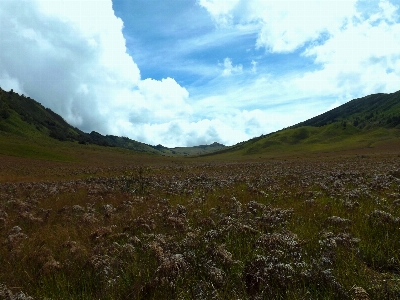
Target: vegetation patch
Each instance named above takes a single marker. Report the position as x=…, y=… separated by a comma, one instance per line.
x=278, y=229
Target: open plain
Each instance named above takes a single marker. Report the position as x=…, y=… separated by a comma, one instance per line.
x=117, y=225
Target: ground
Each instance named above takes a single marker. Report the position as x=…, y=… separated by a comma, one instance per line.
x=109, y=224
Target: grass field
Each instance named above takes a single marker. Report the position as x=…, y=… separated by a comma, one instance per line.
x=88, y=222
x=315, y=140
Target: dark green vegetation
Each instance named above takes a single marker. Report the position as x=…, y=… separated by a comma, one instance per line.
x=372, y=121
x=24, y=117
x=378, y=110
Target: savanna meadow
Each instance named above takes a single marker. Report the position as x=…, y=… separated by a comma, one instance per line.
x=308, y=212
x=112, y=225
x=199, y=149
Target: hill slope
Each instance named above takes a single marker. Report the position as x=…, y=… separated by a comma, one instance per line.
x=359, y=123
x=377, y=110
x=24, y=117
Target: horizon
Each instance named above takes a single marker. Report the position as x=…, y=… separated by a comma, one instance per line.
x=195, y=72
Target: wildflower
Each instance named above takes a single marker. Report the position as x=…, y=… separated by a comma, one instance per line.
x=108, y=210
x=171, y=267
x=14, y=238
x=6, y=294
x=380, y=217
x=338, y=221
x=89, y=218
x=101, y=232
x=359, y=293
x=221, y=253
x=265, y=271
x=78, y=209
x=216, y=275
x=50, y=265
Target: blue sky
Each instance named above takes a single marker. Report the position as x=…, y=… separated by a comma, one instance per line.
x=189, y=72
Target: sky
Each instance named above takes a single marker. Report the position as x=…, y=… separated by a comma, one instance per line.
x=194, y=72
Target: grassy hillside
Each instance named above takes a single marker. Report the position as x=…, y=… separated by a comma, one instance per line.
x=25, y=118
x=366, y=122
x=361, y=123
x=333, y=137
x=378, y=110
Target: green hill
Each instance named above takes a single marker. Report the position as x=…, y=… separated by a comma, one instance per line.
x=359, y=123
x=26, y=117
x=23, y=118
x=377, y=110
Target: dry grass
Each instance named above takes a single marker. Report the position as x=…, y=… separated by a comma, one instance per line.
x=276, y=229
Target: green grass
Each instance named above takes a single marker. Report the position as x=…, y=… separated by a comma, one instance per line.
x=361, y=123
x=28, y=149
x=309, y=140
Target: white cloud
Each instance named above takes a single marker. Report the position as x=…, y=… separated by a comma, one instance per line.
x=71, y=56
x=254, y=67
x=288, y=25
x=221, y=10
x=361, y=58
x=284, y=25
x=9, y=83
x=96, y=23
x=230, y=128
x=261, y=106
x=389, y=11
x=230, y=69
x=354, y=44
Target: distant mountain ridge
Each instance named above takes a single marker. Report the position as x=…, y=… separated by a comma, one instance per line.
x=361, y=122
x=24, y=116
x=366, y=112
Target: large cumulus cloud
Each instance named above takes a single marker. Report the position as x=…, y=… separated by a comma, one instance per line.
x=71, y=56
x=63, y=64
x=353, y=43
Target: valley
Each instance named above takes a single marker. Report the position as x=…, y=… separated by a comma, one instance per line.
x=306, y=212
